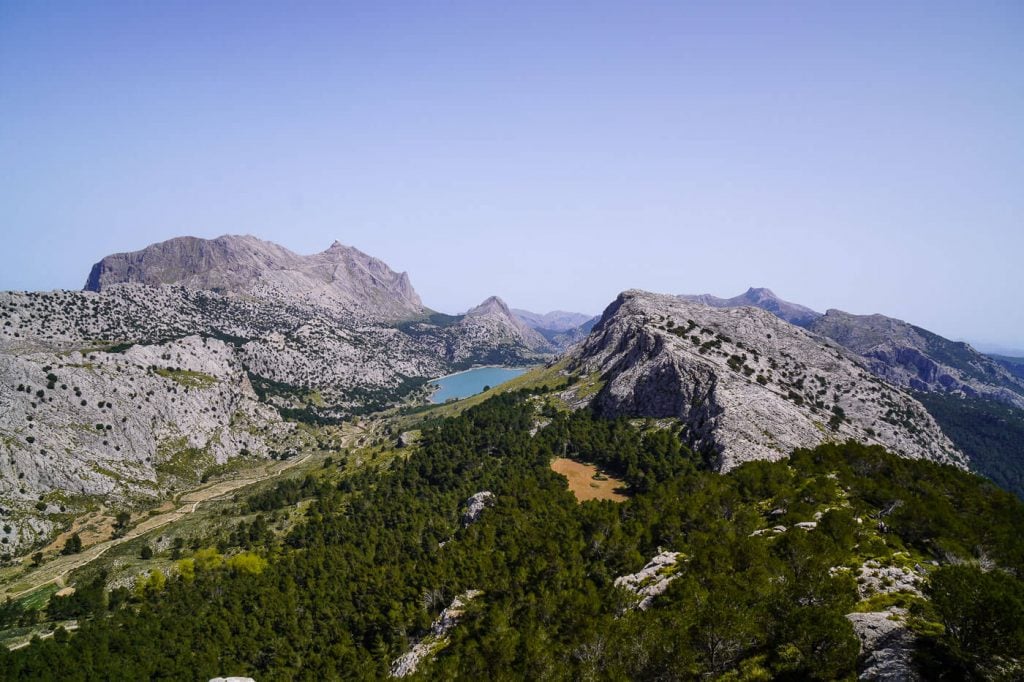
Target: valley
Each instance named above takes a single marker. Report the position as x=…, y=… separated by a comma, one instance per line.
x=221, y=431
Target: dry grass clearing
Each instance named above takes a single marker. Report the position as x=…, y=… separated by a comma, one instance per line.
x=587, y=483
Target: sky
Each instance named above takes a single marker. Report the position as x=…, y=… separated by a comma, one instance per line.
x=867, y=156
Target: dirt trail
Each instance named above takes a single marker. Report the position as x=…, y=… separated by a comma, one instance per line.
x=56, y=569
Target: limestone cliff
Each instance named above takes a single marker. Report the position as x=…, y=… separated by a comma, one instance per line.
x=746, y=384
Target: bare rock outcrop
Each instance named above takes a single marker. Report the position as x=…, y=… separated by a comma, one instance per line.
x=746, y=384
x=886, y=647
x=476, y=505
x=651, y=580
x=341, y=275
x=437, y=639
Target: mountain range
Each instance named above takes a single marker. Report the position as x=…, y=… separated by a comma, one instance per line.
x=897, y=351
x=182, y=357
x=792, y=483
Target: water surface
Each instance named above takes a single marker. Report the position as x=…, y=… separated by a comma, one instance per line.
x=471, y=382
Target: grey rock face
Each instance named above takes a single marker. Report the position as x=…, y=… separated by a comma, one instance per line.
x=124, y=426
x=886, y=645
x=762, y=298
x=746, y=384
x=341, y=275
x=494, y=318
x=913, y=357
x=475, y=506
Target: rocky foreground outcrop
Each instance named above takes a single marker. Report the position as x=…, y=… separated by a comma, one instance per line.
x=437, y=639
x=651, y=580
x=746, y=384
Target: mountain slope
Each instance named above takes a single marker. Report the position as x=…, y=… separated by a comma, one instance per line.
x=772, y=571
x=762, y=298
x=494, y=321
x=341, y=275
x=746, y=384
x=560, y=328
x=555, y=321
x=990, y=433
x=910, y=356
x=124, y=393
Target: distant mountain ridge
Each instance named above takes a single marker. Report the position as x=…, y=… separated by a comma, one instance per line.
x=901, y=353
x=760, y=297
x=556, y=320
x=914, y=357
x=341, y=275
x=561, y=329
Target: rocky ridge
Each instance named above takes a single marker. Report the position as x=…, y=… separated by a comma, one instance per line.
x=560, y=328
x=916, y=358
x=341, y=276
x=899, y=352
x=746, y=384
x=765, y=299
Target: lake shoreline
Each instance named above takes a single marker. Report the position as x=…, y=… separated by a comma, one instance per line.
x=438, y=387
x=476, y=367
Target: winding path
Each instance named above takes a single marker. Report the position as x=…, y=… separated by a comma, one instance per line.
x=55, y=570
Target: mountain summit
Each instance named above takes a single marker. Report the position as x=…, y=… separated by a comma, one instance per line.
x=765, y=299
x=745, y=384
x=341, y=275
x=495, y=316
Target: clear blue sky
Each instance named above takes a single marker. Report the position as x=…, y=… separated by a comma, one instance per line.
x=861, y=155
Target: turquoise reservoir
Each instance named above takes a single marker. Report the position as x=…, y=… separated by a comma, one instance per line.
x=471, y=382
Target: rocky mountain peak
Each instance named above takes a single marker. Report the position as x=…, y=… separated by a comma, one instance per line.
x=490, y=306
x=760, y=297
x=342, y=276
x=745, y=384
x=493, y=318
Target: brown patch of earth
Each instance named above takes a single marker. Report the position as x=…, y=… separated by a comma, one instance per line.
x=93, y=528
x=588, y=483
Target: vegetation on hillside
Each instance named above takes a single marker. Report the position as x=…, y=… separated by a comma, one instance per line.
x=382, y=550
x=990, y=433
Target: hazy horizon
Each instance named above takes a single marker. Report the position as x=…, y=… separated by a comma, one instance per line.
x=867, y=158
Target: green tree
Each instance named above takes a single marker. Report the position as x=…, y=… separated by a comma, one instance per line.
x=73, y=545
x=983, y=613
